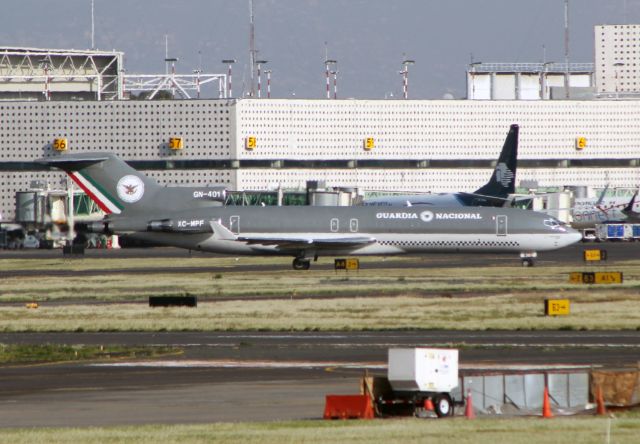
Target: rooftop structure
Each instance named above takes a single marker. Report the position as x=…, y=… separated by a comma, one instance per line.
x=56, y=74
x=30, y=74
x=528, y=81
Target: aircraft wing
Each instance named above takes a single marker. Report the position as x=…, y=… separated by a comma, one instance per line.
x=474, y=200
x=286, y=243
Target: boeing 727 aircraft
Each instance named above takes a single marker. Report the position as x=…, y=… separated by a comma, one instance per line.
x=494, y=193
x=136, y=205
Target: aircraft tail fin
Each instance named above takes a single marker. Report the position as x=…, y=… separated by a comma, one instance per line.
x=113, y=185
x=628, y=210
x=503, y=180
x=598, y=204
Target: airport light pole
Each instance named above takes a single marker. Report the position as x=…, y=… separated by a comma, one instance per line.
x=405, y=77
x=268, y=73
x=335, y=84
x=259, y=64
x=327, y=65
x=229, y=62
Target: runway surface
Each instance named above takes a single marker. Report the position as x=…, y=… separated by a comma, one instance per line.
x=255, y=376
x=572, y=255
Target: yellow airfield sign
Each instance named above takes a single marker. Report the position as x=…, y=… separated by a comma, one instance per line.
x=347, y=264
x=595, y=255
x=596, y=277
x=556, y=307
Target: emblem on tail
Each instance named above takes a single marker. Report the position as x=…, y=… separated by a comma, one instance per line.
x=130, y=188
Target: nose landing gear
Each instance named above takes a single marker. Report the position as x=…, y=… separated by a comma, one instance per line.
x=528, y=258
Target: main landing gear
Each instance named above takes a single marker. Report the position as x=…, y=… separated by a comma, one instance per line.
x=301, y=263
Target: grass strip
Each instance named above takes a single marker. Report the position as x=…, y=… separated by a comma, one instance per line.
x=584, y=430
x=47, y=353
x=505, y=312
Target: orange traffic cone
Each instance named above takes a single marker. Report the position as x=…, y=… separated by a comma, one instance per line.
x=428, y=405
x=600, y=408
x=468, y=410
x=546, y=407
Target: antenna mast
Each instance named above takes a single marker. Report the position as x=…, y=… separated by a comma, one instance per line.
x=566, y=49
x=252, y=48
x=93, y=27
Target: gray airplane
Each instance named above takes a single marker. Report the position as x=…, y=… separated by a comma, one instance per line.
x=494, y=193
x=586, y=213
x=136, y=205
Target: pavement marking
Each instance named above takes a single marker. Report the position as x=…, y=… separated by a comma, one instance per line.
x=231, y=363
x=242, y=364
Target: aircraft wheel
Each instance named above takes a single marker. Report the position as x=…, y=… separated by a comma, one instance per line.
x=301, y=264
x=527, y=262
x=443, y=405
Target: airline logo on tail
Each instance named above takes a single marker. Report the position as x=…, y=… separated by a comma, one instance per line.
x=503, y=174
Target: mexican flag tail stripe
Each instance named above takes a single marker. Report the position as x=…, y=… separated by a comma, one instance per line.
x=104, y=200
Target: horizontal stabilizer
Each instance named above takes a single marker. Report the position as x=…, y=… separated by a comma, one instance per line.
x=74, y=162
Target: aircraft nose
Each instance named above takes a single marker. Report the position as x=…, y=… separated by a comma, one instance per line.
x=573, y=236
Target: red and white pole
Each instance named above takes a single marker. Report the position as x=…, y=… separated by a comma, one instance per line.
x=335, y=84
x=328, y=88
x=405, y=83
x=259, y=81
x=229, y=62
x=327, y=64
x=405, y=77
x=268, y=83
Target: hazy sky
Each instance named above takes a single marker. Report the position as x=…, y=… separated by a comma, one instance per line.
x=367, y=37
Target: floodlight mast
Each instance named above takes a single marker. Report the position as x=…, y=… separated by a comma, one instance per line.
x=230, y=63
x=405, y=77
x=268, y=73
x=259, y=64
x=328, y=64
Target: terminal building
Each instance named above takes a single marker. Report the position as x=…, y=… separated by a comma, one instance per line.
x=590, y=139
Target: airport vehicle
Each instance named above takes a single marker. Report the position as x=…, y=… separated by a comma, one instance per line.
x=617, y=232
x=136, y=205
x=494, y=193
x=418, y=374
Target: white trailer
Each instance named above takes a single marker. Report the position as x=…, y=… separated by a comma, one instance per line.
x=421, y=375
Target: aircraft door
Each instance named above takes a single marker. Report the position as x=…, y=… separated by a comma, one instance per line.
x=353, y=225
x=335, y=225
x=501, y=225
x=234, y=224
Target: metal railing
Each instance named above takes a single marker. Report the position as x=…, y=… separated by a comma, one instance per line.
x=530, y=67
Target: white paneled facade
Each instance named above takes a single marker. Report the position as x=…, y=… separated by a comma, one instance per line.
x=134, y=130
x=617, y=58
x=436, y=129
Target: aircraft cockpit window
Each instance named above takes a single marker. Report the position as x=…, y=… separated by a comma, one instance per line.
x=555, y=224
